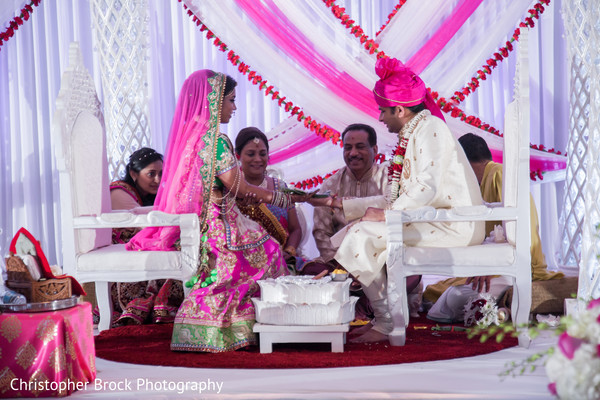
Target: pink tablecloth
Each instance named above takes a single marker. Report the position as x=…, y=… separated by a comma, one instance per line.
x=48, y=353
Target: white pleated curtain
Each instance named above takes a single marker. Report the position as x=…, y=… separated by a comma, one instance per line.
x=31, y=64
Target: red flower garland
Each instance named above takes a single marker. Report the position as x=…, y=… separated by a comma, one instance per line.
x=13, y=26
x=320, y=129
x=397, y=162
x=317, y=180
x=355, y=29
x=487, y=68
x=371, y=46
x=398, y=6
x=501, y=54
x=450, y=107
x=312, y=182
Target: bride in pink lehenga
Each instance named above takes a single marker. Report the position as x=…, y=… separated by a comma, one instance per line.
x=201, y=175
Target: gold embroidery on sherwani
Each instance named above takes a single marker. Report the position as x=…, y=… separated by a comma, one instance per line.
x=58, y=359
x=47, y=330
x=26, y=355
x=6, y=377
x=11, y=328
x=406, y=169
x=38, y=376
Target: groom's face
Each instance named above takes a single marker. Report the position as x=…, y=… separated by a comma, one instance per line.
x=390, y=117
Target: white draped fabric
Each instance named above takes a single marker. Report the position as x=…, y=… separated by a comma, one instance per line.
x=31, y=64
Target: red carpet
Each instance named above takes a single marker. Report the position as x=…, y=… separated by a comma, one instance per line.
x=149, y=344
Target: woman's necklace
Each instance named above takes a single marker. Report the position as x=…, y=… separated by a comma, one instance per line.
x=263, y=184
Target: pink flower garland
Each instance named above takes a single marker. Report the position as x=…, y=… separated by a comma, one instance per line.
x=309, y=123
x=501, y=54
x=18, y=21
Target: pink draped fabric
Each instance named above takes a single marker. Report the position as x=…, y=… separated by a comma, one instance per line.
x=42, y=350
x=275, y=25
x=295, y=148
x=183, y=187
x=421, y=59
x=536, y=163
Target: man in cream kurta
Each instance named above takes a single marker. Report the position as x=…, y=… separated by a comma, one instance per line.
x=435, y=172
x=361, y=177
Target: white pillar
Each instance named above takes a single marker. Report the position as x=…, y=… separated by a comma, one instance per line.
x=581, y=215
x=122, y=42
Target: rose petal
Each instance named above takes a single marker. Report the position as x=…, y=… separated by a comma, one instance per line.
x=593, y=303
x=568, y=345
x=552, y=388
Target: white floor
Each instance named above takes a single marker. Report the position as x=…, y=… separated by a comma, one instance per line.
x=465, y=378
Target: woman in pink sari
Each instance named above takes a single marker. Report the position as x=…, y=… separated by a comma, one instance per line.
x=201, y=175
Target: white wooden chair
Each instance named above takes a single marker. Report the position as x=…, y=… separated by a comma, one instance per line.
x=512, y=259
x=86, y=217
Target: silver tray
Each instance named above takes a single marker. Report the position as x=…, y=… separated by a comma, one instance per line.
x=40, y=307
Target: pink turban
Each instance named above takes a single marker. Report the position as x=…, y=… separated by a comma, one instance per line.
x=399, y=86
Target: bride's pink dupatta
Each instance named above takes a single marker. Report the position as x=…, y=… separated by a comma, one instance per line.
x=189, y=166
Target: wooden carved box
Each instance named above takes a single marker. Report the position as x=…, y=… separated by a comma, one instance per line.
x=20, y=280
x=33, y=277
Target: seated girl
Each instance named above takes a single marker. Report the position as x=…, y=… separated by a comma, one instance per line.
x=154, y=301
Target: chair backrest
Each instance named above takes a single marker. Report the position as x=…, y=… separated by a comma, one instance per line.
x=80, y=151
x=515, y=174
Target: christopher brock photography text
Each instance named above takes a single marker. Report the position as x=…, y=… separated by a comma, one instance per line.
x=125, y=385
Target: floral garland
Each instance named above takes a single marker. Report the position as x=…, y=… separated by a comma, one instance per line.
x=326, y=131
x=397, y=162
x=396, y=165
x=318, y=179
x=501, y=54
x=396, y=9
x=312, y=182
x=320, y=129
x=459, y=96
x=355, y=29
x=18, y=21
x=451, y=108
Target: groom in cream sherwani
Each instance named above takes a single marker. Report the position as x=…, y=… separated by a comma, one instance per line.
x=429, y=169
